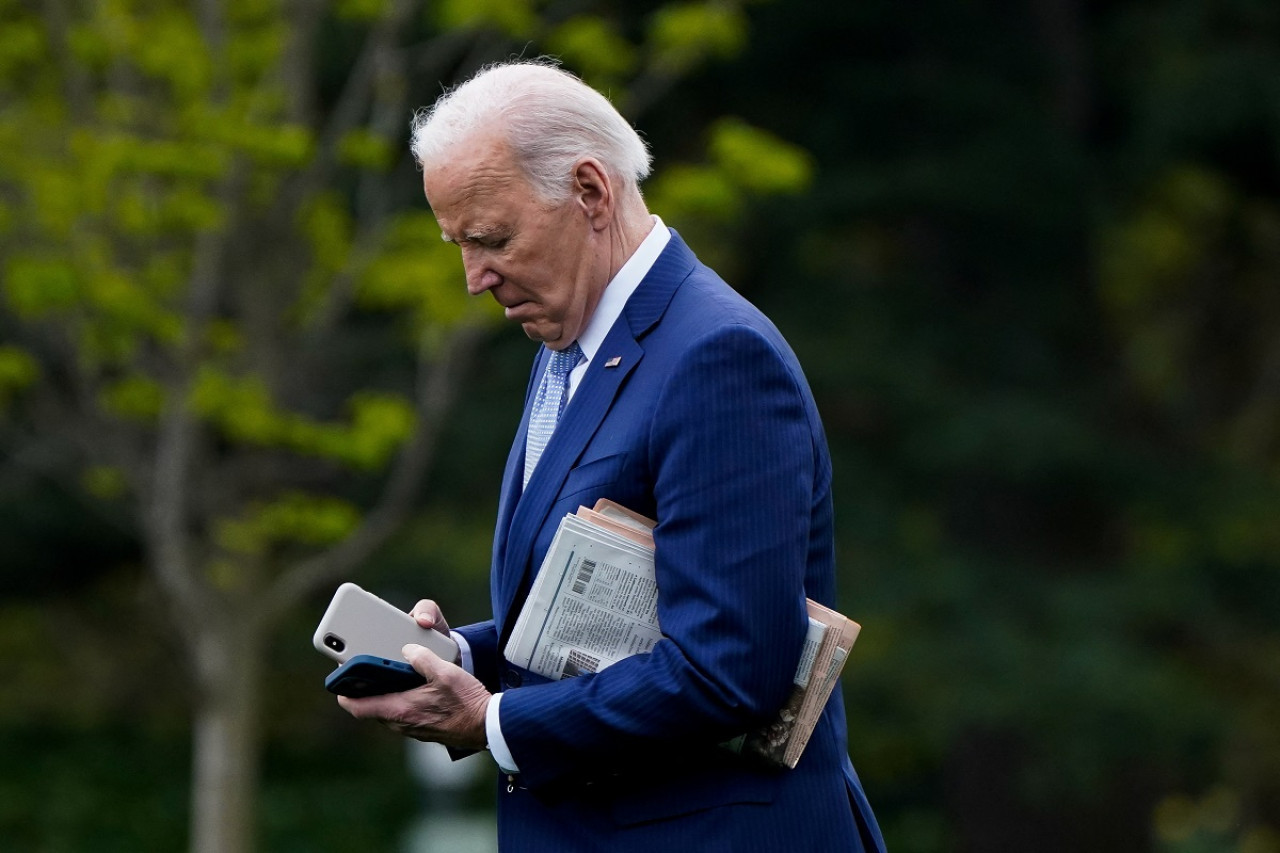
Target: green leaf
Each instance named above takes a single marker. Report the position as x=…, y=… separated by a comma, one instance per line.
x=759, y=161
x=37, y=287
x=18, y=371
x=283, y=145
x=240, y=407
x=684, y=35
x=294, y=517
x=380, y=425
x=418, y=272
x=685, y=191
x=366, y=150
x=104, y=481
x=22, y=45
x=593, y=46
x=170, y=47
x=513, y=17
x=137, y=398
x=254, y=54
x=361, y=10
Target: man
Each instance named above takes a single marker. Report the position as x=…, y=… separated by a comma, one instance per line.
x=684, y=404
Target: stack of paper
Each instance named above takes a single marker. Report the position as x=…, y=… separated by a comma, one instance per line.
x=595, y=602
x=826, y=649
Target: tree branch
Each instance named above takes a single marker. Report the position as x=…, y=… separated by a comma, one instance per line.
x=348, y=110
x=76, y=81
x=166, y=519
x=437, y=389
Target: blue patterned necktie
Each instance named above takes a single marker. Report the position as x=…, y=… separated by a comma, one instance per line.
x=549, y=404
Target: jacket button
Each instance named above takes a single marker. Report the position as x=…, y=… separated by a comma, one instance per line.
x=512, y=678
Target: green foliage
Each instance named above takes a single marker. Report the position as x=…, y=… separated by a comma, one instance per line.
x=687, y=191
x=515, y=18
x=1209, y=824
x=758, y=161
x=135, y=398
x=361, y=10
x=594, y=46
x=327, y=226
x=169, y=47
x=18, y=371
x=1192, y=255
x=686, y=34
x=22, y=43
x=294, y=517
x=1154, y=251
x=243, y=410
x=419, y=275
x=744, y=164
x=366, y=150
x=744, y=161
x=105, y=482
x=36, y=287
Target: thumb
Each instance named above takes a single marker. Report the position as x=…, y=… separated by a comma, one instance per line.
x=422, y=659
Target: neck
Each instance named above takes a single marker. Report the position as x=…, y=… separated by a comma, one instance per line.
x=631, y=225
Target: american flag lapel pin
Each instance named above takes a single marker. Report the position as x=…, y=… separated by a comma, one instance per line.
x=613, y=362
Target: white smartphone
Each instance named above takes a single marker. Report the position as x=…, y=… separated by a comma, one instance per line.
x=359, y=623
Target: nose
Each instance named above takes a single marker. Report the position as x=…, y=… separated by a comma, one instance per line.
x=480, y=276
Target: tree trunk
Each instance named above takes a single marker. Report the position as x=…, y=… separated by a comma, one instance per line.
x=228, y=664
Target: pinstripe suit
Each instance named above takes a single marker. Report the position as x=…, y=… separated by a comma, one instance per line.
x=706, y=423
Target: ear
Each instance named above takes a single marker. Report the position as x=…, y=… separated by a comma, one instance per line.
x=593, y=193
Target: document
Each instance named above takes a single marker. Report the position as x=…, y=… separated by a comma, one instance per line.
x=826, y=649
x=595, y=602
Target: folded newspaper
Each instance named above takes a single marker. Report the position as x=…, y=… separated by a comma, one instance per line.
x=595, y=602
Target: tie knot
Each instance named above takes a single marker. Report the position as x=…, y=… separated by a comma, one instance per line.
x=565, y=360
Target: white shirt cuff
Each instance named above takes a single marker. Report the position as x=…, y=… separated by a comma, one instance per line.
x=498, y=746
x=465, y=659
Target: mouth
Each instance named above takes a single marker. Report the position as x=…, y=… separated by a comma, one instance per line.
x=515, y=310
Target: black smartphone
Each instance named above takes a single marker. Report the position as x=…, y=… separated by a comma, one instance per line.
x=367, y=675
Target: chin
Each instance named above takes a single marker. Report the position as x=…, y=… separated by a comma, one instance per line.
x=550, y=337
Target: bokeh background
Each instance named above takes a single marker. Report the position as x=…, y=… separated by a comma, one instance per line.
x=1029, y=253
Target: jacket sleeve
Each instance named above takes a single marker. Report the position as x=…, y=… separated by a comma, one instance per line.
x=483, y=640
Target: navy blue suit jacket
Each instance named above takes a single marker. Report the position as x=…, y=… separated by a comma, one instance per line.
x=707, y=424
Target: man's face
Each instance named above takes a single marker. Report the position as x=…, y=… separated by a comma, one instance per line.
x=539, y=262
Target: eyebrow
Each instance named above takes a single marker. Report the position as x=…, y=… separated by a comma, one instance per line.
x=478, y=235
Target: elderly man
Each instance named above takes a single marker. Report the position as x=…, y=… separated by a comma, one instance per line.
x=658, y=387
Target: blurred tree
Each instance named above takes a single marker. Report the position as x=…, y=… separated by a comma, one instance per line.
x=222, y=304
x=1039, y=310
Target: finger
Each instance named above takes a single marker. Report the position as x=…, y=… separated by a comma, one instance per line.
x=428, y=615
x=364, y=707
x=424, y=661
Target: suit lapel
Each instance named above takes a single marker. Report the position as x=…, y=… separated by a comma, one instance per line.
x=579, y=422
x=527, y=512
x=510, y=494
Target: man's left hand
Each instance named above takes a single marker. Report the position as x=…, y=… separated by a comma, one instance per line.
x=448, y=709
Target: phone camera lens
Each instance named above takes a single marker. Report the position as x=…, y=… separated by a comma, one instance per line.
x=334, y=642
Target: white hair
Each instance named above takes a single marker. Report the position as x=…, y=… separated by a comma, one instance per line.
x=548, y=117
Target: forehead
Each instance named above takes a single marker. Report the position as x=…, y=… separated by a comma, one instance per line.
x=478, y=178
